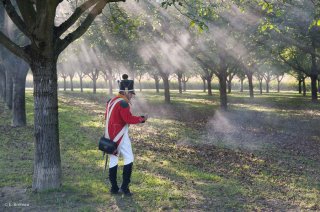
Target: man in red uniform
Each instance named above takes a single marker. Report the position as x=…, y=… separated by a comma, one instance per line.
x=117, y=130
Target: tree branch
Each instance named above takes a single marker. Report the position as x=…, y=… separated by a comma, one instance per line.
x=28, y=12
x=74, y=17
x=12, y=13
x=62, y=44
x=14, y=48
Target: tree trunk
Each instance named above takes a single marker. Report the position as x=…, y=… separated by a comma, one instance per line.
x=157, y=83
x=204, y=85
x=47, y=162
x=241, y=85
x=2, y=83
x=249, y=75
x=20, y=70
x=278, y=86
x=140, y=87
x=229, y=86
x=9, y=89
x=94, y=80
x=64, y=84
x=81, y=85
x=267, y=86
x=260, y=86
x=318, y=85
x=314, y=75
x=19, y=102
x=300, y=87
x=304, y=87
x=110, y=86
x=71, y=83
x=184, y=84
x=180, y=83
x=223, y=91
x=165, y=78
x=209, y=86
x=314, y=90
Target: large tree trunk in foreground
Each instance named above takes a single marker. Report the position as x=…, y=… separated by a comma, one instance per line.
x=9, y=89
x=47, y=162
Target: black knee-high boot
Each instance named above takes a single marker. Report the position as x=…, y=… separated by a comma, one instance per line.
x=113, y=179
x=127, y=170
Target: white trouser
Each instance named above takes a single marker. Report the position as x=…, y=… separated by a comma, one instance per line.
x=125, y=150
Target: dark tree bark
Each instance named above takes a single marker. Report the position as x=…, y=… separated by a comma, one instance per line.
x=314, y=75
x=19, y=102
x=223, y=90
x=241, y=85
x=64, y=83
x=20, y=71
x=279, y=79
x=157, y=82
x=9, y=89
x=71, y=81
x=2, y=82
x=110, y=86
x=229, y=81
x=165, y=78
x=185, y=79
x=179, y=75
x=318, y=85
x=94, y=81
x=300, y=86
x=209, y=80
x=81, y=83
x=94, y=75
x=47, y=168
x=204, y=84
x=81, y=75
x=250, y=76
x=304, y=89
x=260, y=85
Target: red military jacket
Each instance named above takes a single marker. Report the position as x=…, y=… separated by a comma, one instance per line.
x=120, y=116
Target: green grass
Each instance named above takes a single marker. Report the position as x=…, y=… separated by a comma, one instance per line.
x=183, y=160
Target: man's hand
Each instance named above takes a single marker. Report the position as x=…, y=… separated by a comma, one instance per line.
x=145, y=117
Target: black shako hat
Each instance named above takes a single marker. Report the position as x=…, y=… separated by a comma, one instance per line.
x=126, y=85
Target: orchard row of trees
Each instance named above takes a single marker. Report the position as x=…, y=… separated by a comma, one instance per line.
x=222, y=38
